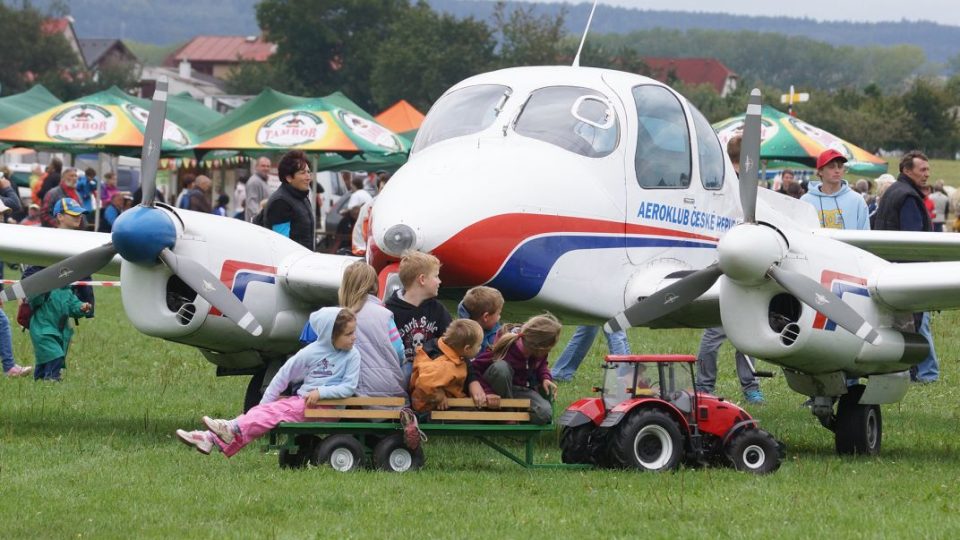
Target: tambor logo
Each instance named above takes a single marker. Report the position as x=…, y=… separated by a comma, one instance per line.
x=81, y=123
x=171, y=131
x=291, y=129
x=768, y=130
x=369, y=131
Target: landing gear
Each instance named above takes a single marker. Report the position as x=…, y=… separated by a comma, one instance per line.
x=858, y=429
x=254, y=391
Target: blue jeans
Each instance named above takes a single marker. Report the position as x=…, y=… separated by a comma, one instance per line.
x=710, y=343
x=6, y=342
x=578, y=346
x=928, y=370
x=49, y=371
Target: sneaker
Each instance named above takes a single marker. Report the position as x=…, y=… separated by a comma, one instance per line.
x=18, y=371
x=754, y=397
x=411, y=429
x=220, y=428
x=197, y=439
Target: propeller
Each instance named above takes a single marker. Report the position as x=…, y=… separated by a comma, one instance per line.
x=749, y=253
x=142, y=235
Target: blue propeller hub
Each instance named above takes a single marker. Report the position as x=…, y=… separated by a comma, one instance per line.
x=141, y=233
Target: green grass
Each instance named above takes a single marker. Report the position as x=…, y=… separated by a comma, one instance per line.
x=94, y=457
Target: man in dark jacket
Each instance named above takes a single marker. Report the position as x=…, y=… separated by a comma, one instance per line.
x=288, y=211
x=901, y=208
x=199, y=197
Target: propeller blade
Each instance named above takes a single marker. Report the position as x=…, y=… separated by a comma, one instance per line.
x=666, y=300
x=750, y=158
x=61, y=274
x=825, y=302
x=212, y=290
x=152, y=142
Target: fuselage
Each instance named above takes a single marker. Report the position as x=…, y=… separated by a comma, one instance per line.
x=556, y=185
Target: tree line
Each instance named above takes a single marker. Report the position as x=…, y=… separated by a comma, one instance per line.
x=379, y=51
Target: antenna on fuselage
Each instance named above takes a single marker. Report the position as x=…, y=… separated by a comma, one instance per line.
x=576, y=59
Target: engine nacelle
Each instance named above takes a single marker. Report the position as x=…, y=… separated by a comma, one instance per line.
x=768, y=323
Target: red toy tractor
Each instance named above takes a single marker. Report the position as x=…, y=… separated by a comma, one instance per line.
x=649, y=417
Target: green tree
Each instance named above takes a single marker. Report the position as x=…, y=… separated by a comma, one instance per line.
x=427, y=53
x=250, y=78
x=528, y=40
x=30, y=55
x=327, y=45
x=934, y=125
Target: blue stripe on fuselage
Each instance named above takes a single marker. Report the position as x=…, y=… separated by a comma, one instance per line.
x=526, y=270
x=242, y=279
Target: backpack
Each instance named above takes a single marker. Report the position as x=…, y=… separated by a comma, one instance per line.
x=24, y=313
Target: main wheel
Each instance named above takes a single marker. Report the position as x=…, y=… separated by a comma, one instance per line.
x=305, y=449
x=391, y=454
x=859, y=428
x=754, y=450
x=342, y=452
x=648, y=439
x=575, y=444
x=254, y=393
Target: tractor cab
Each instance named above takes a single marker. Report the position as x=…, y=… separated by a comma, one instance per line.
x=666, y=377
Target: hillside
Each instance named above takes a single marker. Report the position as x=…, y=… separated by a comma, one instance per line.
x=175, y=21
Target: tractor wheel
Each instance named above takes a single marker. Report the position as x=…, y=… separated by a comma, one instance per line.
x=649, y=440
x=755, y=451
x=391, y=454
x=575, y=444
x=305, y=448
x=859, y=428
x=342, y=452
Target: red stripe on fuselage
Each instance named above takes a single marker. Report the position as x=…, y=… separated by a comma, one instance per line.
x=474, y=254
x=826, y=279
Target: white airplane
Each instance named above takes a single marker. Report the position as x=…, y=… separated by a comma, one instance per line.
x=593, y=193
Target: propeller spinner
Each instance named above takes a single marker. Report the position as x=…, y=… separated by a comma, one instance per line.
x=143, y=235
x=749, y=253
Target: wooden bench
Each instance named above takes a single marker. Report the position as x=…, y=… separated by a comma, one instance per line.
x=464, y=410
x=353, y=408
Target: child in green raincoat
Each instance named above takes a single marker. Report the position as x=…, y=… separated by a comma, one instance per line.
x=51, y=330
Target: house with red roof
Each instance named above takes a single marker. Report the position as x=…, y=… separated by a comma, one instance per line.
x=694, y=71
x=64, y=25
x=218, y=55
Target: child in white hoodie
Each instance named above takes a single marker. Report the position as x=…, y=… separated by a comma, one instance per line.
x=329, y=368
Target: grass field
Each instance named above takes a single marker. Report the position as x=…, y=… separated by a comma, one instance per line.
x=94, y=457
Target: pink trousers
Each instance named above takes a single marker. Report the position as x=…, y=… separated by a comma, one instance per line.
x=261, y=419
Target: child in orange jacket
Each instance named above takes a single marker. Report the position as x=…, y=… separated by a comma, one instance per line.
x=442, y=370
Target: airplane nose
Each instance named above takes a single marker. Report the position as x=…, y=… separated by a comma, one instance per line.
x=398, y=239
x=141, y=233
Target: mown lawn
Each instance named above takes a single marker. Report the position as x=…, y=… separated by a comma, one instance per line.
x=95, y=457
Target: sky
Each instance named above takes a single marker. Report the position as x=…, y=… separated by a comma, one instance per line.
x=941, y=11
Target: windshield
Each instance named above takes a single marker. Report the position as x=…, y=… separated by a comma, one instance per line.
x=671, y=381
x=663, y=141
x=461, y=112
x=577, y=119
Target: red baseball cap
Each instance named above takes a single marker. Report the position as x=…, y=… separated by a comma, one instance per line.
x=827, y=156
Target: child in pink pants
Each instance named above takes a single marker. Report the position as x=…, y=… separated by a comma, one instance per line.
x=328, y=368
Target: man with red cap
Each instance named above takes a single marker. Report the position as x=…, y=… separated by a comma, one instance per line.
x=838, y=206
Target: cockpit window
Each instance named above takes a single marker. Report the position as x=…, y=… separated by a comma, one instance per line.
x=461, y=112
x=709, y=152
x=576, y=119
x=663, y=141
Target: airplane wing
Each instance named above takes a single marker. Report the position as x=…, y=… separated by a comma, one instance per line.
x=901, y=246
x=917, y=287
x=45, y=246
